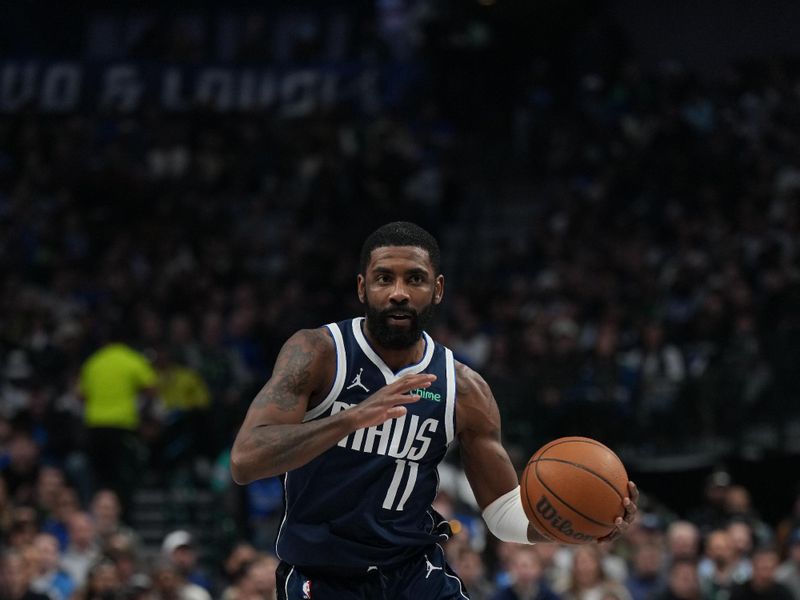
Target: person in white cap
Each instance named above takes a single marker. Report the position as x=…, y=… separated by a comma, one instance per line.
x=179, y=548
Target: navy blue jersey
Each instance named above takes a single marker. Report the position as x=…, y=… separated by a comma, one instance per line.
x=367, y=500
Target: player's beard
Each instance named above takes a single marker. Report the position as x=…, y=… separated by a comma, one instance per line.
x=398, y=338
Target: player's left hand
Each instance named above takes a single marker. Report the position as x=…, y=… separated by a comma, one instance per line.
x=622, y=523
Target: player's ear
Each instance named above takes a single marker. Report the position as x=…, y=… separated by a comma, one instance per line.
x=438, y=289
x=361, y=285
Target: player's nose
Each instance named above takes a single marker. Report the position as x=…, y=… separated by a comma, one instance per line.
x=399, y=294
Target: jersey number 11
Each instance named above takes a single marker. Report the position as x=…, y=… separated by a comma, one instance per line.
x=397, y=478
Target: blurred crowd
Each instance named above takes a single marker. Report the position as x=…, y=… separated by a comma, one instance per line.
x=55, y=548
x=644, y=264
x=643, y=290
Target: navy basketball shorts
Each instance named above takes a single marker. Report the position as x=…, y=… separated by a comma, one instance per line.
x=425, y=577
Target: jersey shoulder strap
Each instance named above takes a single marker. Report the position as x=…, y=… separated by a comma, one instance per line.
x=338, y=381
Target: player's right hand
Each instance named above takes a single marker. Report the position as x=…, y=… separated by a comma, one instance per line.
x=388, y=402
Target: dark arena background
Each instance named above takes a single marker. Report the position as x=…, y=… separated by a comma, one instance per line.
x=615, y=186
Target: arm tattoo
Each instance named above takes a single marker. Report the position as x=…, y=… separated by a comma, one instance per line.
x=292, y=373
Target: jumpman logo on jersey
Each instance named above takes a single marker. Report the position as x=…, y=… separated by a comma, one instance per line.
x=357, y=381
x=429, y=566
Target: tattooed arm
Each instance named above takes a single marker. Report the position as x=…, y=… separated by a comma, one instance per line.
x=273, y=438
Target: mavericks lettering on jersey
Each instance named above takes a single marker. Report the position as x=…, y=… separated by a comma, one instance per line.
x=403, y=437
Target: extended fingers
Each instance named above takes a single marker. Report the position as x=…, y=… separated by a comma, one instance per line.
x=630, y=503
x=403, y=398
x=621, y=524
x=634, y=492
x=409, y=382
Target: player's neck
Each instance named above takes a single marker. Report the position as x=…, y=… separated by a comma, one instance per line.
x=396, y=359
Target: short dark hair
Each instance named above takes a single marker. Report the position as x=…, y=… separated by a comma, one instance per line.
x=401, y=233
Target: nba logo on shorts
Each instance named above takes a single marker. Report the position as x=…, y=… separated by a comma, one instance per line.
x=306, y=589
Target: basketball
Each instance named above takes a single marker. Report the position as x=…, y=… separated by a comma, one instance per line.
x=572, y=489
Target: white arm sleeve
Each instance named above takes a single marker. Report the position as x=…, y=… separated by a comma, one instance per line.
x=506, y=518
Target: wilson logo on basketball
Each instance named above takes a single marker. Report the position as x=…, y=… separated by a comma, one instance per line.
x=549, y=513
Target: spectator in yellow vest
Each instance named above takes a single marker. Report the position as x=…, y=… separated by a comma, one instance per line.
x=185, y=401
x=112, y=380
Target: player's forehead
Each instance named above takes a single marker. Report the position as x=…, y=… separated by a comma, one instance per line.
x=399, y=258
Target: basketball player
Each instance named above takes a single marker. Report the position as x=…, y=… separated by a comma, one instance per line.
x=358, y=414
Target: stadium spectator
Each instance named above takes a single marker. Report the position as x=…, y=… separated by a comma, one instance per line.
x=185, y=401
x=588, y=580
x=683, y=582
x=82, y=550
x=20, y=470
x=16, y=389
x=233, y=567
x=788, y=572
x=650, y=530
x=711, y=514
x=471, y=569
x=683, y=540
x=503, y=551
x=179, y=548
x=763, y=583
x=24, y=527
x=16, y=576
x=525, y=574
x=123, y=550
x=101, y=582
x=720, y=569
x=111, y=380
x=646, y=575
x=49, y=578
x=556, y=563
x=106, y=512
x=49, y=483
x=743, y=545
x=169, y=584
x=659, y=371
x=738, y=506
x=258, y=580
x=66, y=505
